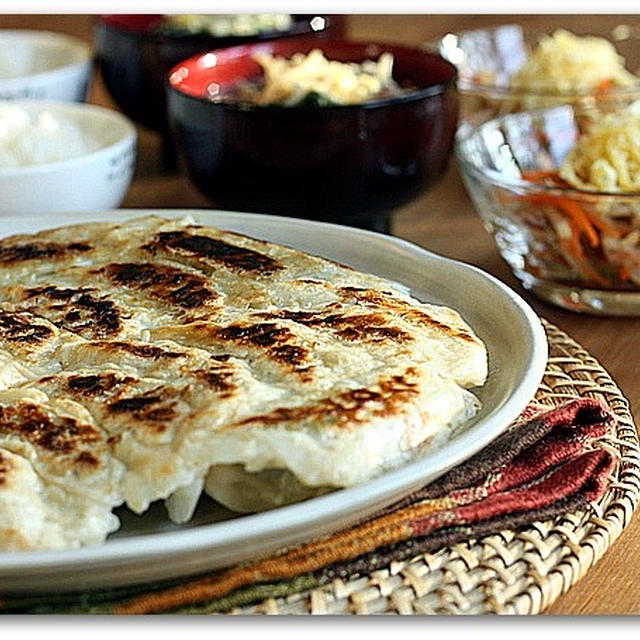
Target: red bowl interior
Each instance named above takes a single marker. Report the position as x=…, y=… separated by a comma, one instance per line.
x=132, y=22
x=226, y=67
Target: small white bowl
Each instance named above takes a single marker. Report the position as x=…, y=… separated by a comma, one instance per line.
x=94, y=181
x=43, y=65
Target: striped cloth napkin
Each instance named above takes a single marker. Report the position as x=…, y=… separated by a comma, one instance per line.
x=548, y=463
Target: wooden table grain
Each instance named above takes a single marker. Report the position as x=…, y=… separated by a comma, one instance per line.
x=442, y=220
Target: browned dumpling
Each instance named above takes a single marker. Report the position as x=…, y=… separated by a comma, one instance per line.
x=166, y=358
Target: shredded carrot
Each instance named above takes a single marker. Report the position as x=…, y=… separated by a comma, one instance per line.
x=537, y=176
x=573, y=210
x=604, y=226
x=604, y=86
x=544, y=177
x=581, y=219
x=572, y=246
x=624, y=273
x=582, y=223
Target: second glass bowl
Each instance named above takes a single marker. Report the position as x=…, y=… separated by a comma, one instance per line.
x=487, y=58
x=579, y=250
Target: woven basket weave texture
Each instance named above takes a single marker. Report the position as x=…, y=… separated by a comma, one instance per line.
x=513, y=572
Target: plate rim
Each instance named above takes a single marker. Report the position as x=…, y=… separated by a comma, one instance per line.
x=343, y=502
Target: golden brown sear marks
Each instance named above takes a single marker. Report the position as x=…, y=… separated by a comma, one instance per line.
x=362, y=327
x=168, y=284
x=79, y=310
x=86, y=459
x=216, y=380
x=348, y=409
x=55, y=433
x=12, y=253
x=371, y=327
x=91, y=386
x=421, y=317
x=138, y=349
x=157, y=406
x=112, y=393
x=278, y=343
x=217, y=376
x=211, y=250
x=23, y=328
x=372, y=296
x=95, y=384
x=386, y=300
x=6, y=467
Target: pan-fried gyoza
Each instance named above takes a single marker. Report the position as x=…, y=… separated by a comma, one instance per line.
x=155, y=359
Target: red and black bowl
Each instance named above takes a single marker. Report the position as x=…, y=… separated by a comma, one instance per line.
x=349, y=164
x=134, y=56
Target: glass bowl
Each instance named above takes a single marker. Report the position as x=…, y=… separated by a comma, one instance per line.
x=487, y=58
x=577, y=249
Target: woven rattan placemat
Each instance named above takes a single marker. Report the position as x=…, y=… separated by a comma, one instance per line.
x=513, y=572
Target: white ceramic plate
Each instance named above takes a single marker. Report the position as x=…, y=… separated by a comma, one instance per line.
x=150, y=548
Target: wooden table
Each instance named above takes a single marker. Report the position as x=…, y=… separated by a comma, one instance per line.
x=442, y=220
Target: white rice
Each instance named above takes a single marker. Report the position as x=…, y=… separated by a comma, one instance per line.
x=41, y=138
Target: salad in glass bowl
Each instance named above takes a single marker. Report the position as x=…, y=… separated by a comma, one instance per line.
x=562, y=200
x=507, y=69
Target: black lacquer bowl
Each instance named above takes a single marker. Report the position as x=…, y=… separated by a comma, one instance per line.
x=134, y=57
x=350, y=164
